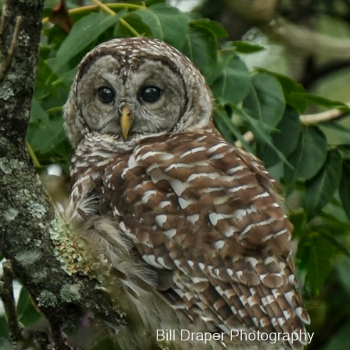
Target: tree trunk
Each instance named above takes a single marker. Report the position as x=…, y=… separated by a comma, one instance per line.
x=33, y=236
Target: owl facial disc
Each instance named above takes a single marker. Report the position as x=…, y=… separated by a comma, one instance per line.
x=162, y=88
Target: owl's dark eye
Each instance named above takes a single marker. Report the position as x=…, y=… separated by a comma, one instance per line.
x=106, y=94
x=150, y=93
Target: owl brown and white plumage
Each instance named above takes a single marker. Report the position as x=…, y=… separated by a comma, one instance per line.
x=191, y=222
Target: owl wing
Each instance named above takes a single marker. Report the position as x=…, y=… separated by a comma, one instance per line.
x=195, y=205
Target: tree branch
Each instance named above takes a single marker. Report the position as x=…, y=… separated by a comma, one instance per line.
x=44, y=252
x=257, y=11
x=248, y=136
x=327, y=116
x=293, y=35
x=7, y=55
x=312, y=72
x=330, y=115
x=299, y=38
x=6, y=294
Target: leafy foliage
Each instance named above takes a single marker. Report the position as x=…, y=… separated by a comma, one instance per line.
x=315, y=175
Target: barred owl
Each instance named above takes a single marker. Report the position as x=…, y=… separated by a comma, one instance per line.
x=191, y=223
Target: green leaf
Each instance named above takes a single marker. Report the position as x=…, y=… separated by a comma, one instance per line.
x=83, y=33
x=317, y=254
x=202, y=49
x=308, y=157
x=43, y=86
x=260, y=130
x=221, y=120
x=247, y=47
x=46, y=136
x=227, y=128
x=106, y=344
x=344, y=188
x=37, y=113
x=344, y=148
x=338, y=225
x=153, y=2
x=290, y=88
x=266, y=99
x=339, y=341
x=233, y=83
x=298, y=220
x=343, y=270
x=321, y=188
x=336, y=126
x=132, y=23
x=330, y=237
x=214, y=26
x=322, y=101
x=50, y=4
x=27, y=313
x=285, y=139
x=66, y=78
x=54, y=36
x=4, y=329
x=162, y=22
x=5, y=344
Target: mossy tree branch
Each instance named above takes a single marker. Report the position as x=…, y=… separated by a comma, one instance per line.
x=28, y=220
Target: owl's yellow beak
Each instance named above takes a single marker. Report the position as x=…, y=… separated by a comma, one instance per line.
x=126, y=121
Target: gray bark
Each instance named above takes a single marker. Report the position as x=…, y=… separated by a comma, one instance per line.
x=32, y=234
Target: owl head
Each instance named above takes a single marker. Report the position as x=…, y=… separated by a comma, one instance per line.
x=136, y=87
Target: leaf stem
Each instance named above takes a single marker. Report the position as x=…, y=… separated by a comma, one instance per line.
x=96, y=7
x=128, y=26
x=104, y=7
x=33, y=155
x=53, y=110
